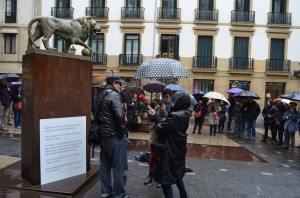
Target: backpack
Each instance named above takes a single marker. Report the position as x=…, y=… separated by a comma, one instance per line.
x=197, y=114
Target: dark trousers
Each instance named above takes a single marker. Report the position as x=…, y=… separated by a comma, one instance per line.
x=211, y=127
x=279, y=129
x=230, y=116
x=199, y=124
x=270, y=125
x=168, y=191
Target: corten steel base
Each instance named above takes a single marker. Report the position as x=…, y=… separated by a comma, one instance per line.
x=18, y=187
x=54, y=85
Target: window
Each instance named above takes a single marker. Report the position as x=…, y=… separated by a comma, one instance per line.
x=240, y=56
x=242, y=12
x=10, y=11
x=62, y=9
x=169, y=46
x=275, y=89
x=10, y=43
x=169, y=9
x=244, y=85
x=206, y=4
x=59, y=43
x=63, y=3
x=277, y=54
x=242, y=5
x=132, y=46
x=279, y=6
x=203, y=85
x=204, y=54
x=97, y=45
x=132, y=8
x=98, y=3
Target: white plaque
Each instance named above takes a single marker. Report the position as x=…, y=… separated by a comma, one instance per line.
x=62, y=148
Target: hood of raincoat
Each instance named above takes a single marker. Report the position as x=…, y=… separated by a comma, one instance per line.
x=180, y=101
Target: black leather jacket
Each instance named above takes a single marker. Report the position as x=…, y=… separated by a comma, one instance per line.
x=111, y=113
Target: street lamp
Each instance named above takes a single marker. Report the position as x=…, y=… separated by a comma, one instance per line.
x=72, y=50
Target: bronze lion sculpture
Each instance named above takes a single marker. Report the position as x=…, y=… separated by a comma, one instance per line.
x=74, y=31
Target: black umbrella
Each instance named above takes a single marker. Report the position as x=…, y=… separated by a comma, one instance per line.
x=199, y=95
x=154, y=86
x=10, y=77
x=247, y=94
x=295, y=95
x=129, y=91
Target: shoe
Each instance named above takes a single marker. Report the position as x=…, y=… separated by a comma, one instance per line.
x=273, y=142
x=193, y=132
x=263, y=140
x=279, y=143
x=214, y=134
x=148, y=180
x=158, y=185
x=291, y=149
x=285, y=147
x=9, y=123
x=199, y=133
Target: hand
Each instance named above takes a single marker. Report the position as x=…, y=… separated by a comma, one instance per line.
x=150, y=111
x=163, y=107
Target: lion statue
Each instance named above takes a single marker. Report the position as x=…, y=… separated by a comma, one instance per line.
x=75, y=31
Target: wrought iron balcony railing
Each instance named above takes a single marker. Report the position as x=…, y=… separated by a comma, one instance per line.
x=99, y=59
x=62, y=12
x=130, y=59
x=10, y=17
x=278, y=65
x=98, y=12
x=280, y=18
x=241, y=63
x=243, y=16
x=209, y=62
x=176, y=57
x=169, y=13
x=206, y=15
x=132, y=13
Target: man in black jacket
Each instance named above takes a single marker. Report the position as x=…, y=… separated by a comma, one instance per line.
x=5, y=100
x=113, y=142
x=252, y=111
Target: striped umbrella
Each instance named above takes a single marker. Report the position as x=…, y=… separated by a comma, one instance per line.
x=161, y=68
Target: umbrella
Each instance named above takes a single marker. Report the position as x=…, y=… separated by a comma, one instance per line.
x=11, y=77
x=285, y=101
x=234, y=90
x=199, y=95
x=295, y=95
x=154, y=86
x=247, y=94
x=216, y=95
x=13, y=85
x=193, y=100
x=129, y=91
x=175, y=87
x=161, y=68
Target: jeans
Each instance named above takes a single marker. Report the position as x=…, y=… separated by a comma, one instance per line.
x=280, y=133
x=3, y=117
x=113, y=157
x=251, y=131
x=168, y=191
x=272, y=128
x=230, y=116
x=17, y=118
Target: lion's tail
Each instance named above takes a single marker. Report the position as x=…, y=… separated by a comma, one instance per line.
x=29, y=29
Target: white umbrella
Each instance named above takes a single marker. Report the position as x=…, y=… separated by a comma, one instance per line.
x=216, y=95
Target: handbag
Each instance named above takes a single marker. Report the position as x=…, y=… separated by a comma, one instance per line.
x=18, y=106
x=138, y=120
x=94, y=135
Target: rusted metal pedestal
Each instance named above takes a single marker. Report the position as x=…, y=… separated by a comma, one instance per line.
x=55, y=85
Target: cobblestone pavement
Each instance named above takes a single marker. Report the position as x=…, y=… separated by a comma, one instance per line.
x=278, y=178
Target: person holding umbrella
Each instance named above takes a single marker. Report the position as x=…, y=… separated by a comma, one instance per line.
x=252, y=110
x=291, y=117
x=269, y=113
x=17, y=106
x=5, y=99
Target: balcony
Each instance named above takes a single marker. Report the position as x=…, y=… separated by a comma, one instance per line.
x=98, y=12
x=127, y=61
x=169, y=13
x=242, y=16
x=204, y=64
x=165, y=55
x=279, y=18
x=206, y=15
x=62, y=12
x=132, y=13
x=99, y=59
x=241, y=65
x=278, y=66
x=10, y=17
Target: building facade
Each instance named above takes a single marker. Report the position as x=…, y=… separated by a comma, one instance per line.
x=251, y=44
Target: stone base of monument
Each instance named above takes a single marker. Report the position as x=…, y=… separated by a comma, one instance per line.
x=13, y=185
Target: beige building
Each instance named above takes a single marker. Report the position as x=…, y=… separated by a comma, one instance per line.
x=252, y=43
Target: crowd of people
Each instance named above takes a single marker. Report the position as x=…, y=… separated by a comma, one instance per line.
x=11, y=101
x=170, y=117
